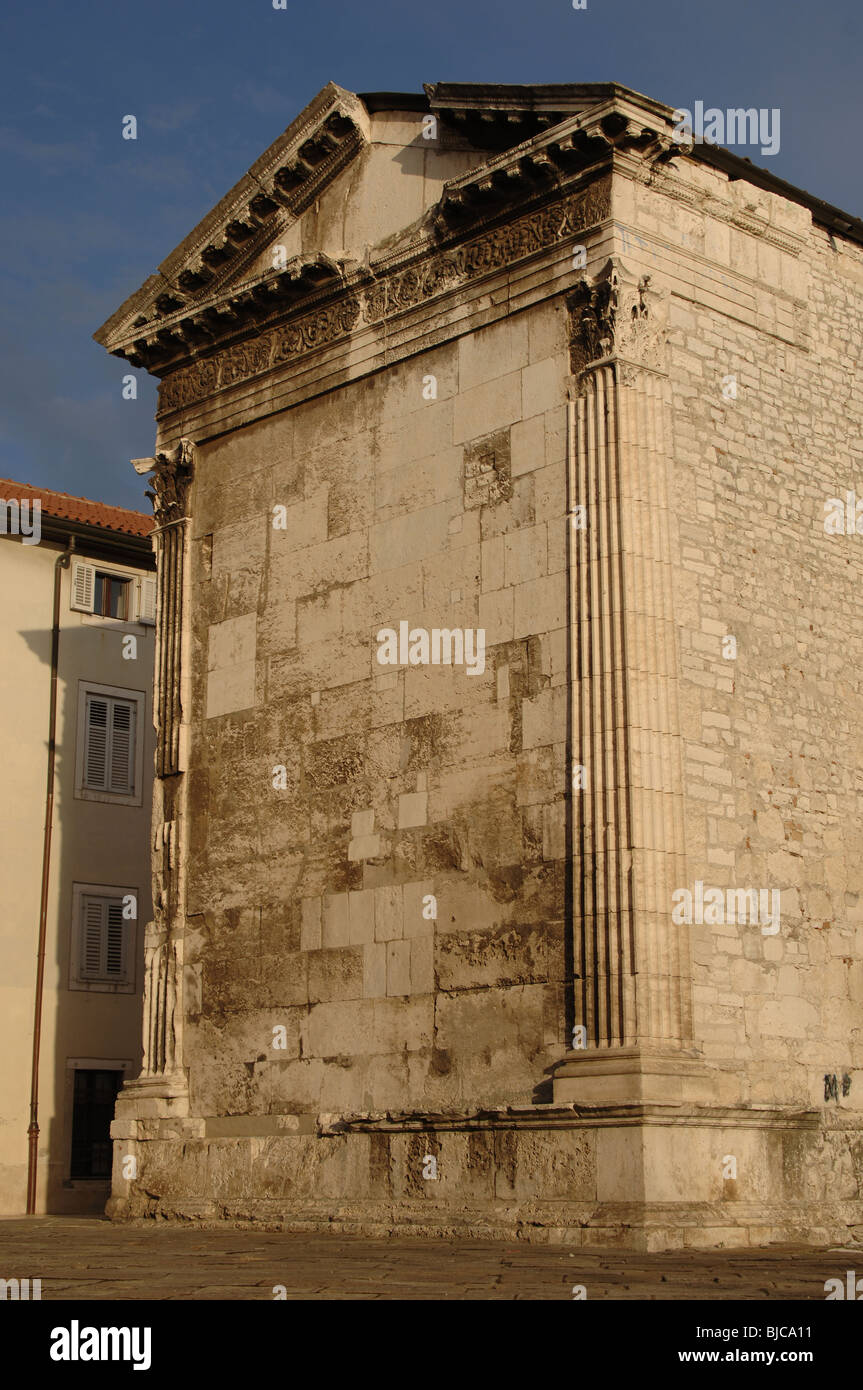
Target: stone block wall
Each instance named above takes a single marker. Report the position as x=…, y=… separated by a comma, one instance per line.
x=765, y=336
x=435, y=495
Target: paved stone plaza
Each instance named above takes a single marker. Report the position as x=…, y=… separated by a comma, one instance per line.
x=89, y=1258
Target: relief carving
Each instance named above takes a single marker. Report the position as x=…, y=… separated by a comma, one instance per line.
x=315, y=330
x=487, y=470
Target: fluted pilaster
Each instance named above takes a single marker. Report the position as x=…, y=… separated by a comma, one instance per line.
x=632, y=983
x=162, y=1072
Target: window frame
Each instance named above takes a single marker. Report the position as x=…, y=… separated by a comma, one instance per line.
x=113, y=756
x=141, y=594
x=79, y=981
x=127, y=591
x=115, y=692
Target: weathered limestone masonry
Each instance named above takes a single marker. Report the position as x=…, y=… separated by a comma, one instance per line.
x=505, y=360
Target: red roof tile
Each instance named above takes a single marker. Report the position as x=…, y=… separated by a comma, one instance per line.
x=66, y=508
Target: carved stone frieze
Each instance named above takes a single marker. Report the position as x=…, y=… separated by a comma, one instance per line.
x=391, y=294
x=313, y=331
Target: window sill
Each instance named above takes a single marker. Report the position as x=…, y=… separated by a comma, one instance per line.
x=103, y=986
x=121, y=624
x=106, y=798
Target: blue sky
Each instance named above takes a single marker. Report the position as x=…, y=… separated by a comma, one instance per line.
x=88, y=216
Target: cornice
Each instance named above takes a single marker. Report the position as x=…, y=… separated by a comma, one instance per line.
x=234, y=346
x=202, y=298
x=823, y=214
x=569, y=147
x=495, y=115
x=214, y=305
x=95, y=542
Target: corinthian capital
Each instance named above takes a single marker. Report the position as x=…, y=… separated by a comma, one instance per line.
x=616, y=315
x=172, y=474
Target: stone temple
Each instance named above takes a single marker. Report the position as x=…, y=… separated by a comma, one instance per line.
x=507, y=851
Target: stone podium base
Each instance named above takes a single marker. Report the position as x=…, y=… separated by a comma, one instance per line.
x=636, y=1176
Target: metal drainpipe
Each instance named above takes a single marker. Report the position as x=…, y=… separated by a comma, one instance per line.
x=62, y=562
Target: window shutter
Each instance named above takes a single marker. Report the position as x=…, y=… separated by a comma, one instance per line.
x=91, y=937
x=147, y=601
x=109, y=745
x=122, y=768
x=83, y=584
x=103, y=945
x=96, y=743
x=114, y=962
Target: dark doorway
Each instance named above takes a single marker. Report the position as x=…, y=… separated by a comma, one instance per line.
x=93, y=1111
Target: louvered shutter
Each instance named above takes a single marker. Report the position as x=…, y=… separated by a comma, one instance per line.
x=114, y=962
x=96, y=743
x=121, y=768
x=83, y=586
x=103, y=943
x=109, y=745
x=91, y=937
x=147, y=601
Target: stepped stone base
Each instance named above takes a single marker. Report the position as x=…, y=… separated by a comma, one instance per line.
x=634, y=1177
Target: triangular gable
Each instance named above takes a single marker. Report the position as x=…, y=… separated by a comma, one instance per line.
x=260, y=208
x=222, y=281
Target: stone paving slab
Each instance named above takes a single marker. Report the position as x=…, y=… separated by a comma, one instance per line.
x=91, y=1258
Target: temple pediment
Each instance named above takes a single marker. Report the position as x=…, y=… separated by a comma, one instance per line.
x=302, y=224
x=361, y=189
